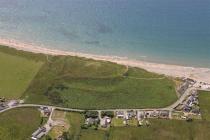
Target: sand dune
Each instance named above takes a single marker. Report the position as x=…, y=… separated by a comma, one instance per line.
x=199, y=74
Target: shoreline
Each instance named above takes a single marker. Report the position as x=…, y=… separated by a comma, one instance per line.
x=199, y=74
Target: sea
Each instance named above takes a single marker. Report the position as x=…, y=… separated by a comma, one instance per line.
x=161, y=31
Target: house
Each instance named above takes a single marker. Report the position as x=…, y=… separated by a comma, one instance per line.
x=164, y=114
x=91, y=121
x=183, y=87
x=130, y=114
x=140, y=115
x=105, y=121
x=46, y=111
x=120, y=114
x=12, y=103
x=154, y=114
x=38, y=133
x=148, y=113
x=186, y=108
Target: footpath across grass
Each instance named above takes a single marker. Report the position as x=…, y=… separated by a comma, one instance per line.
x=19, y=124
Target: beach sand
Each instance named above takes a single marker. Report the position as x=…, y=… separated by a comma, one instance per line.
x=198, y=74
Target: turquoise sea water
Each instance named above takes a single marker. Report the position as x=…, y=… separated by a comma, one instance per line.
x=166, y=31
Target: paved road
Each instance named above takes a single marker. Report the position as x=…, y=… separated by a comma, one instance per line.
x=38, y=105
x=75, y=110
x=203, y=89
x=170, y=108
x=181, y=99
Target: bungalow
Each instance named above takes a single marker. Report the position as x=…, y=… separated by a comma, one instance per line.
x=130, y=114
x=164, y=114
x=12, y=103
x=46, y=111
x=91, y=121
x=140, y=115
x=105, y=121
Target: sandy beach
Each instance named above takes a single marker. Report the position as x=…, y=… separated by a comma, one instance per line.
x=199, y=74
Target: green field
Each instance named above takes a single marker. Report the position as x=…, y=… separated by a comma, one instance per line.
x=19, y=124
x=16, y=73
x=204, y=101
x=170, y=129
x=92, y=135
x=87, y=84
x=163, y=130
x=75, y=121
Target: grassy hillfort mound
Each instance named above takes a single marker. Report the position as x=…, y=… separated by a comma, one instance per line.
x=77, y=82
x=88, y=84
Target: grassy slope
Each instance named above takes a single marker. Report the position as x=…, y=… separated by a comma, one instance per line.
x=19, y=124
x=16, y=73
x=96, y=84
x=81, y=83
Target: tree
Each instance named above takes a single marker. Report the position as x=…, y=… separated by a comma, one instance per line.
x=107, y=113
x=91, y=114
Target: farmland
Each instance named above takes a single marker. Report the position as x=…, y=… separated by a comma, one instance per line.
x=19, y=124
x=204, y=100
x=16, y=73
x=163, y=130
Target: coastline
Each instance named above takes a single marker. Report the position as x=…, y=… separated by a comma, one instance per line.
x=199, y=74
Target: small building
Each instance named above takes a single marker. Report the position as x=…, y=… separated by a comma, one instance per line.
x=164, y=114
x=91, y=121
x=12, y=103
x=130, y=114
x=39, y=133
x=140, y=115
x=154, y=114
x=149, y=113
x=46, y=111
x=183, y=87
x=120, y=114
